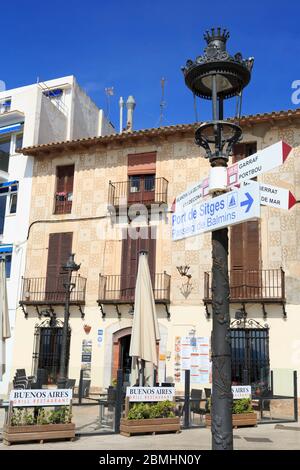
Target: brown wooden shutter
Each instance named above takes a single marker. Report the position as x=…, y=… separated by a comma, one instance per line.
x=59, y=249
x=130, y=258
x=65, y=178
x=245, y=246
x=142, y=163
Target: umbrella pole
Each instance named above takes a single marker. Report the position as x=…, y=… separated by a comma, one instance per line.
x=142, y=373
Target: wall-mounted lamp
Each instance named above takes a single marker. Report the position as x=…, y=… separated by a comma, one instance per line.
x=183, y=271
x=186, y=287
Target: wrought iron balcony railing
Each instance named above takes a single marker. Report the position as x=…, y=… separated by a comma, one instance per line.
x=113, y=289
x=51, y=291
x=63, y=203
x=146, y=192
x=264, y=285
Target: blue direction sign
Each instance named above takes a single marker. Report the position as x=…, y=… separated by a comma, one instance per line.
x=228, y=209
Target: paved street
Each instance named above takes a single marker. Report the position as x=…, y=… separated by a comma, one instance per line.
x=264, y=437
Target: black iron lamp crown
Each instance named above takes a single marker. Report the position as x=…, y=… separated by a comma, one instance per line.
x=216, y=75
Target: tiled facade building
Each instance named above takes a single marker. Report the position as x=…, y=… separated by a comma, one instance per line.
x=79, y=194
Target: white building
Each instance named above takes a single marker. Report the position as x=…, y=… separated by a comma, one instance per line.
x=52, y=111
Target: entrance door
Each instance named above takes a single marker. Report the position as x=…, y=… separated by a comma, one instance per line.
x=124, y=358
x=250, y=363
x=47, y=353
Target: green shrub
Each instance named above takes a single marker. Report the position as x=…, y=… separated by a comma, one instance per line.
x=162, y=409
x=29, y=416
x=238, y=407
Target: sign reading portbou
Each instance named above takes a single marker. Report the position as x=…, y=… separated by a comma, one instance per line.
x=150, y=393
x=241, y=391
x=41, y=397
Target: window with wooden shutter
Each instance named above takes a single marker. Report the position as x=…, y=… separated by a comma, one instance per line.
x=60, y=247
x=245, y=259
x=64, y=189
x=131, y=248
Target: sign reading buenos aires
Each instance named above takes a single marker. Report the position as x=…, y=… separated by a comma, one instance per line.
x=40, y=397
x=150, y=393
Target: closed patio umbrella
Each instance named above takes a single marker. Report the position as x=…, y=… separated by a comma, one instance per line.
x=145, y=331
x=4, y=319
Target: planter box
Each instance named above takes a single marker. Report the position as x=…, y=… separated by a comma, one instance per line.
x=139, y=426
x=243, y=419
x=37, y=432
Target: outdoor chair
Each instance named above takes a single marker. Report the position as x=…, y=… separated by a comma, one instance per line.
x=195, y=400
x=207, y=392
x=70, y=383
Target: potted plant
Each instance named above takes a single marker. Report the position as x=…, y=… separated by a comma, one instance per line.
x=39, y=423
x=150, y=417
x=242, y=413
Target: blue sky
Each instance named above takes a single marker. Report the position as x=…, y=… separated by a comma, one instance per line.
x=131, y=44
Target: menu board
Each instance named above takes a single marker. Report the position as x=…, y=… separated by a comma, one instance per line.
x=192, y=353
x=86, y=358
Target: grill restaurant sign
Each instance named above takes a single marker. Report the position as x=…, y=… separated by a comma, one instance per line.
x=241, y=391
x=150, y=393
x=42, y=397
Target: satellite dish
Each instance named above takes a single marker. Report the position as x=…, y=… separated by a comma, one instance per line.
x=2, y=85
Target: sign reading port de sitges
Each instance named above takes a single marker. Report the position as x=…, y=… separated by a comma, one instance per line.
x=230, y=208
x=150, y=393
x=40, y=397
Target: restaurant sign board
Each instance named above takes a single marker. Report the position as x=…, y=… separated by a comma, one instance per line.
x=40, y=397
x=150, y=393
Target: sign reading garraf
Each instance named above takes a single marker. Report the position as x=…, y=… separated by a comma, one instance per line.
x=150, y=393
x=40, y=397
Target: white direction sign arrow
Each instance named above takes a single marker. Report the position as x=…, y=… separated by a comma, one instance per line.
x=260, y=162
x=274, y=196
x=228, y=209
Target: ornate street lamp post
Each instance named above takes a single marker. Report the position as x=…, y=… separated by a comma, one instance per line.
x=68, y=269
x=217, y=76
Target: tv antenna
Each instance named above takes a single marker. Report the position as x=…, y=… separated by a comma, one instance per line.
x=109, y=91
x=162, y=102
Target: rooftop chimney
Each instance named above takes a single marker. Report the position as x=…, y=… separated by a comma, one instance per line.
x=130, y=105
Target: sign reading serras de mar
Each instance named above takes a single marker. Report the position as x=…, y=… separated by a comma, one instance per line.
x=241, y=391
x=41, y=397
x=260, y=162
x=228, y=209
x=150, y=393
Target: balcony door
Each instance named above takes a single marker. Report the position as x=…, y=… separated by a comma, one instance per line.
x=59, y=249
x=64, y=189
x=141, y=175
x=245, y=258
x=135, y=240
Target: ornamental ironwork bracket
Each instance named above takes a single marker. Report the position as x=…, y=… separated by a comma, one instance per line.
x=118, y=311
x=24, y=310
x=264, y=310
x=284, y=310
x=81, y=312
x=167, y=311
x=103, y=314
x=207, y=312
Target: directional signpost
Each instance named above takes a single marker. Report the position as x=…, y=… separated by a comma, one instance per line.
x=192, y=214
x=274, y=196
x=260, y=162
x=230, y=208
